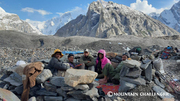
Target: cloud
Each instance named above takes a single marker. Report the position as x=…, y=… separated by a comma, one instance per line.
x=59, y=13
x=146, y=8
x=74, y=12
x=32, y=10
x=175, y=1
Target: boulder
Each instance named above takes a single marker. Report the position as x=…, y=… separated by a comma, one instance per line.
x=39, y=98
x=162, y=93
x=80, y=95
x=148, y=73
x=45, y=74
x=19, y=89
x=158, y=83
x=137, y=81
x=67, y=88
x=32, y=99
x=2, y=84
x=4, y=76
x=11, y=87
x=132, y=63
x=145, y=64
x=53, y=98
x=6, y=86
x=44, y=92
x=136, y=57
x=19, y=69
x=61, y=73
x=72, y=99
x=125, y=86
x=14, y=79
x=93, y=85
x=57, y=81
x=61, y=92
x=34, y=89
x=178, y=61
x=134, y=73
x=9, y=96
x=50, y=87
x=73, y=77
x=151, y=57
x=82, y=87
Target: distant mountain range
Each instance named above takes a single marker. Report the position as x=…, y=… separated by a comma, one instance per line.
x=103, y=19
x=9, y=21
x=50, y=27
x=170, y=17
x=106, y=19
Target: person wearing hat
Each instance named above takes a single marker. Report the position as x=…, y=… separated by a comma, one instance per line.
x=111, y=74
x=72, y=64
x=56, y=64
x=88, y=60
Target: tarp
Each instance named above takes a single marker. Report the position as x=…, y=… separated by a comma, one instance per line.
x=73, y=52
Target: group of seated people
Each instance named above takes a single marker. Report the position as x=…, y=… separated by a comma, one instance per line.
x=102, y=65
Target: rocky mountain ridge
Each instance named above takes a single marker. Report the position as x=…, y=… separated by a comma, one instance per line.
x=106, y=19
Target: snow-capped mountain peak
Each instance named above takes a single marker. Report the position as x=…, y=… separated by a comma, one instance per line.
x=170, y=17
x=154, y=15
x=2, y=10
x=51, y=26
x=10, y=21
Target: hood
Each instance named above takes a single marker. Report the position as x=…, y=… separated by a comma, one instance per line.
x=104, y=60
x=103, y=52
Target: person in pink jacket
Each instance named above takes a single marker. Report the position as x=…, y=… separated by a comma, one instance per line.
x=101, y=62
x=104, y=67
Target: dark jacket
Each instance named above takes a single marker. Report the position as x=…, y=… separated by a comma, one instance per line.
x=55, y=65
x=85, y=60
x=72, y=64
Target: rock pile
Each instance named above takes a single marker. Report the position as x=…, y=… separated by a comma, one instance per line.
x=76, y=85
x=143, y=75
x=80, y=85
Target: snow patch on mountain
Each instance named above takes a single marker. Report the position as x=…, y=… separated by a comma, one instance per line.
x=2, y=10
x=10, y=21
x=51, y=26
x=169, y=17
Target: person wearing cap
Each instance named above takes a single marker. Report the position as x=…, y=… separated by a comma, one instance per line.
x=56, y=64
x=88, y=60
x=72, y=64
x=111, y=74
